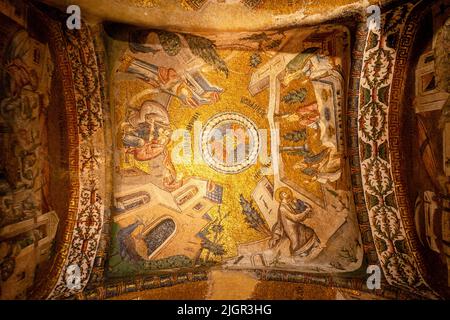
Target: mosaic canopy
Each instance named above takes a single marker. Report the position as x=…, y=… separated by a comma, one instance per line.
x=229, y=149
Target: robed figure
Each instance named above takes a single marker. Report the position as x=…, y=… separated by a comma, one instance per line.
x=290, y=224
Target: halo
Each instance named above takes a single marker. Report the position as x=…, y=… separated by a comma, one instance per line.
x=280, y=190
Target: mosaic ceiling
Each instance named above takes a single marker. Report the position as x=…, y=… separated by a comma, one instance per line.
x=194, y=120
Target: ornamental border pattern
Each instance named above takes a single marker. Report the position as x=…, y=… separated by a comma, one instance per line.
x=119, y=287
x=390, y=228
x=56, y=45
x=100, y=263
x=89, y=220
x=395, y=128
x=76, y=61
x=353, y=145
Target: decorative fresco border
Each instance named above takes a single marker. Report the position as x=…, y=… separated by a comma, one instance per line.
x=391, y=229
x=75, y=253
x=100, y=262
x=353, y=145
x=119, y=287
x=89, y=221
x=395, y=124
x=358, y=284
x=61, y=62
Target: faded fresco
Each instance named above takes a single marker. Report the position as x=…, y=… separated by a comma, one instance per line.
x=28, y=222
x=430, y=152
x=182, y=199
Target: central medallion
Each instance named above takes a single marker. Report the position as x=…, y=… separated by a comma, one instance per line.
x=230, y=143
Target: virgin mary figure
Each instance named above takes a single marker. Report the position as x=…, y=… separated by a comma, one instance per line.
x=291, y=215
